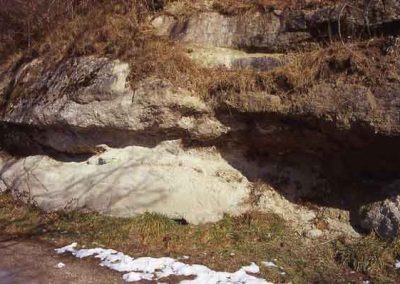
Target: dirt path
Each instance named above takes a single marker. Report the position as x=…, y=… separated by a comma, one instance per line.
x=33, y=262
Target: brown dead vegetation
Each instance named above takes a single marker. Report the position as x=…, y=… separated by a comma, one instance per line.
x=23, y=24
x=233, y=7
x=119, y=30
x=225, y=245
x=367, y=63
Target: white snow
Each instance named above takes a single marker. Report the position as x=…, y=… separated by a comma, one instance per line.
x=69, y=248
x=149, y=268
x=269, y=264
x=252, y=268
x=397, y=264
x=184, y=257
x=60, y=265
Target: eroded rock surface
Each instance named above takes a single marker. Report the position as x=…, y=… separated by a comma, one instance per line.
x=274, y=30
x=195, y=185
x=383, y=217
x=234, y=59
x=306, y=147
x=260, y=31
x=3, y=187
x=66, y=107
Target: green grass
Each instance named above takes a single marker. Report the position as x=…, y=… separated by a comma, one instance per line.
x=225, y=245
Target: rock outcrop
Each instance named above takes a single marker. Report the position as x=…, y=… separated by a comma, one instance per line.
x=306, y=143
x=279, y=30
x=261, y=31
x=234, y=59
x=66, y=107
x=3, y=187
x=383, y=217
x=195, y=185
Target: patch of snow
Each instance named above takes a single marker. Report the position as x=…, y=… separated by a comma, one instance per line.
x=397, y=264
x=69, y=248
x=184, y=257
x=269, y=264
x=137, y=276
x=60, y=265
x=252, y=268
x=149, y=268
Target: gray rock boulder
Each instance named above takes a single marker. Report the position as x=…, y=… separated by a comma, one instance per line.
x=383, y=217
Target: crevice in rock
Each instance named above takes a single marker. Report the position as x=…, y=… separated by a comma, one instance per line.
x=310, y=162
x=74, y=144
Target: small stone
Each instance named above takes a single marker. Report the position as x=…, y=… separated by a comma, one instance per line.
x=269, y=264
x=163, y=25
x=314, y=234
x=3, y=187
x=102, y=161
x=383, y=216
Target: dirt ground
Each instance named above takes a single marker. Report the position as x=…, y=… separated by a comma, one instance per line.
x=35, y=262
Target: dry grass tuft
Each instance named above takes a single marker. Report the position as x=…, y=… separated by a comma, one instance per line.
x=371, y=256
x=350, y=64
x=234, y=7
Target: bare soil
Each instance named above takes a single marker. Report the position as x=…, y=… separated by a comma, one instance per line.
x=35, y=262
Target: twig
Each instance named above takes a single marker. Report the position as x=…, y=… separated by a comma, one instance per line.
x=339, y=22
x=326, y=242
x=366, y=17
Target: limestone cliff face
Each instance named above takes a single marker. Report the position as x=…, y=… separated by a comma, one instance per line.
x=87, y=101
x=88, y=139
x=275, y=30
